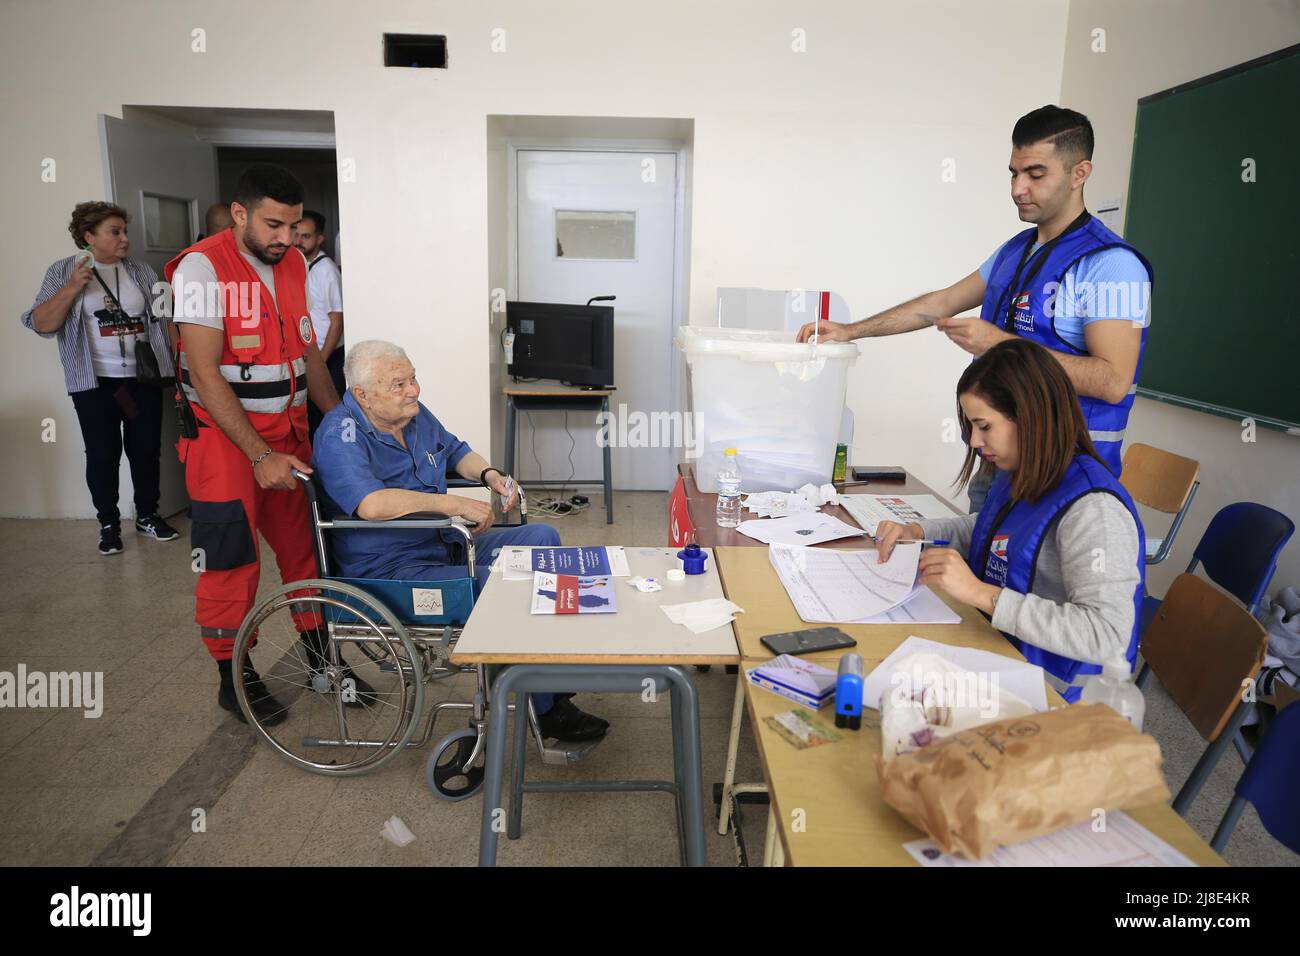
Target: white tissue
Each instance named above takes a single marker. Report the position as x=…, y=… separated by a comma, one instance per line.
x=395, y=831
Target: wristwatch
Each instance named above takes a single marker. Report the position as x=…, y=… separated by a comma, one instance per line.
x=482, y=475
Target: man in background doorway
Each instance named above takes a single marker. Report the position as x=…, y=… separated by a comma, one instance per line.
x=216, y=219
x=325, y=286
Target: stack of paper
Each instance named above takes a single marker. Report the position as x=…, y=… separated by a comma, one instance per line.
x=810, y=528
x=518, y=564
x=840, y=587
x=701, y=616
x=870, y=510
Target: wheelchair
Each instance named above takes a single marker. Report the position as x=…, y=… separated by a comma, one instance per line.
x=399, y=636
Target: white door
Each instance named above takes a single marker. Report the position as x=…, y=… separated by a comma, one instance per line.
x=165, y=180
x=604, y=223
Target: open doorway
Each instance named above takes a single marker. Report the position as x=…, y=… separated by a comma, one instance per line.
x=166, y=165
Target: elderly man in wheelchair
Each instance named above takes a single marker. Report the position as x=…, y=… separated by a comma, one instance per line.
x=380, y=455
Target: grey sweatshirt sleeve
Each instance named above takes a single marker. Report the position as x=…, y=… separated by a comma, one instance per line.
x=957, y=530
x=1082, y=605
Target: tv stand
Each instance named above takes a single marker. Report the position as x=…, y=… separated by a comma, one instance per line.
x=541, y=396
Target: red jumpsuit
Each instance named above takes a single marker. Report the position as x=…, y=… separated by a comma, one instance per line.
x=264, y=362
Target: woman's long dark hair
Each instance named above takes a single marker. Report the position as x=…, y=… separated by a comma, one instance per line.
x=1024, y=382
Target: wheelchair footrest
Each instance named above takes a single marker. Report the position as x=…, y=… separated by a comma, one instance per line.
x=562, y=753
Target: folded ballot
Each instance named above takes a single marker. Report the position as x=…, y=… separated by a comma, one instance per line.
x=799, y=680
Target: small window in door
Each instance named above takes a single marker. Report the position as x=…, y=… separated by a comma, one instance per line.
x=167, y=223
x=595, y=235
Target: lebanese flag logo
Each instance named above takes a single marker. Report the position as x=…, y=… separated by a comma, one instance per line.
x=999, y=547
x=1022, y=301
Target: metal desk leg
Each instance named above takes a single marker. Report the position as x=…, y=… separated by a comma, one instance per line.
x=510, y=435
x=609, y=474
x=517, y=755
x=686, y=756
x=733, y=745
x=493, y=768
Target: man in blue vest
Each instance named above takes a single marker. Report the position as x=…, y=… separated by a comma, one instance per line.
x=1067, y=283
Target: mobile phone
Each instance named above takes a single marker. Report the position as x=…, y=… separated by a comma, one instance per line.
x=879, y=473
x=808, y=641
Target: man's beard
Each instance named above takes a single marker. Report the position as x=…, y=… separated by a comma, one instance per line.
x=261, y=253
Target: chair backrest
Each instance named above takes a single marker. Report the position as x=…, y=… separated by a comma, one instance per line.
x=1240, y=547
x=1158, y=479
x=1269, y=781
x=1203, y=646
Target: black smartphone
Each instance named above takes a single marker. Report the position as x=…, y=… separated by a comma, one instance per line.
x=806, y=642
x=879, y=473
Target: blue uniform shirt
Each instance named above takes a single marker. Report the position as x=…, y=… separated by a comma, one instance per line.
x=352, y=459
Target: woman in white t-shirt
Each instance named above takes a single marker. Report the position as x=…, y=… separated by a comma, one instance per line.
x=99, y=306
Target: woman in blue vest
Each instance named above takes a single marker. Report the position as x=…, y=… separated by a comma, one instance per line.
x=1054, y=556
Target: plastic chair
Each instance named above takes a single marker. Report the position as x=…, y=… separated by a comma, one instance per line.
x=1206, y=649
x=1269, y=784
x=1239, y=550
x=1164, y=482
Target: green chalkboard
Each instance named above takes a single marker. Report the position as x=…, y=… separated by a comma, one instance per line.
x=1225, y=306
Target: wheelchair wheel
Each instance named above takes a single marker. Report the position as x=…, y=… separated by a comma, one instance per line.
x=323, y=719
x=445, y=772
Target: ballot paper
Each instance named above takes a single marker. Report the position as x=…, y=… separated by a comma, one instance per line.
x=1019, y=677
x=923, y=607
x=810, y=528
x=568, y=594
x=870, y=510
x=840, y=587
x=518, y=564
x=701, y=616
x=1124, y=842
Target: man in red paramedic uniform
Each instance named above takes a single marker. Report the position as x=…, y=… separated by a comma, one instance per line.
x=248, y=363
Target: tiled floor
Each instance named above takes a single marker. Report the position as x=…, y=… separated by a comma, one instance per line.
x=165, y=777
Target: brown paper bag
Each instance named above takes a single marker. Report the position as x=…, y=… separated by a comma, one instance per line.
x=1016, y=779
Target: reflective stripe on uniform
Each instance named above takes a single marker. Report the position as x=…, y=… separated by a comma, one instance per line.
x=1106, y=436
x=264, y=390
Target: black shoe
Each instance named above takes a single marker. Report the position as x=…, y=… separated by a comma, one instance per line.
x=153, y=526
x=110, y=539
x=564, y=721
x=266, y=708
x=361, y=693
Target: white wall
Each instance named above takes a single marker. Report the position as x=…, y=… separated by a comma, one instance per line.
x=1152, y=46
x=818, y=169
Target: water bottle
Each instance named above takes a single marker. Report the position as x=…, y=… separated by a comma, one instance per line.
x=1114, y=687
x=729, y=491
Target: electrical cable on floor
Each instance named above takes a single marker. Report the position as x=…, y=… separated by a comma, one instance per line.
x=555, y=506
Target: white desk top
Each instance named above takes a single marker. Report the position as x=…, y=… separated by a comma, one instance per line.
x=502, y=629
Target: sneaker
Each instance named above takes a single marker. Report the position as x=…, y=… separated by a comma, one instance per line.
x=153, y=526
x=110, y=539
x=564, y=721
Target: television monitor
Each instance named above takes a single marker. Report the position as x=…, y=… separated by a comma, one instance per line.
x=571, y=343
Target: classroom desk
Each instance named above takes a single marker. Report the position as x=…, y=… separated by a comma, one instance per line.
x=552, y=396
x=702, y=507
x=594, y=652
x=846, y=822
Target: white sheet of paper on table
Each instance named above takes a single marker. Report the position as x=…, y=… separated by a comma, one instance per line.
x=840, y=587
x=808, y=528
x=1124, y=842
x=701, y=616
x=1019, y=677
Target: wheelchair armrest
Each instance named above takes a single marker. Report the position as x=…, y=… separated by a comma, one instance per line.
x=417, y=519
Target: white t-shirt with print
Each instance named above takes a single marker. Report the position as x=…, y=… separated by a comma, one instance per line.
x=106, y=346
